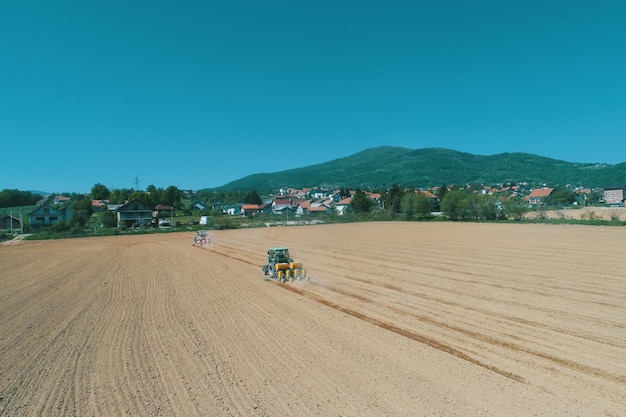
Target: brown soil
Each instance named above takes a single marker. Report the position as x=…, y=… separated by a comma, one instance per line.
x=398, y=319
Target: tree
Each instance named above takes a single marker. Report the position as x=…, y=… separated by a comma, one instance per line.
x=173, y=196
x=361, y=203
x=393, y=200
x=252, y=198
x=487, y=209
x=15, y=198
x=563, y=197
x=423, y=206
x=141, y=196
x=416, y=204
x=344, y=192
x=108, y=219
x=83, y=204
x=515, y=207
x=442, y=191
x=82, y=212
x=409, y=205
x=452, y=206
x=100, y=192
x=119, y=196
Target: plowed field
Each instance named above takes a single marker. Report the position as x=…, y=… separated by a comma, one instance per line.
x=398, y=319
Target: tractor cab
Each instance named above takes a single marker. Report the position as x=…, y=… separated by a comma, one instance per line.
x=278, y=255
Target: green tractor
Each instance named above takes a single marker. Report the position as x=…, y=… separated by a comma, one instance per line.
x=280, y=266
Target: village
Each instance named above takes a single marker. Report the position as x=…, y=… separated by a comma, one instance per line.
x=289, y=204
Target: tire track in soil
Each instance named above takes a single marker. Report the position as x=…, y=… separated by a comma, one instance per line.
x=478, y=336
x=403, y=332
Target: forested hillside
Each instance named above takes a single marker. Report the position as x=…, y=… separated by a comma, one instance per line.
x=384, y=166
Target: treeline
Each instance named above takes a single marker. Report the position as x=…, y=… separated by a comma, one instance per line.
x=212, y=197
x=170, y=196
x=15, y=198
x=455, y=204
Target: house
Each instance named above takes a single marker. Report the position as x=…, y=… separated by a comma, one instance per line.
x=250, y=209
x=163, y=210
x=344, y=206
x=254, y=209
x=133, y=214
x=540, y=197
x=319, y=209
x=375, y=197
x=302, y=207
x=284, y=209
x=46, y=215
x=614, y=194
x=99, y=205
x=198, y=206
x=233, y=209
x=318, y=193
x=282, y=200
x=10, y=223
x=59, y=199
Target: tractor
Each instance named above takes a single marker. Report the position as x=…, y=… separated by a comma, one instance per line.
x=280, y=266
x=202, y=238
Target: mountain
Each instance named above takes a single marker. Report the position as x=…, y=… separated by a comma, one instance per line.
x=379, y=168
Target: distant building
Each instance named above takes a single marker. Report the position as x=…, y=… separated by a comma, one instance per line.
x=135, y=213
x=10, y=223
x=46, y=216
x=614, y=194
x=540, y=197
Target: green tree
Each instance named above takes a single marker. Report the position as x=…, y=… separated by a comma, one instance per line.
x=487, y=209
x=107, y=219
x=393, y=200
x=120, y=196
x=84, y=205
x=423, y=206
x=514, y=208
x=409, y=205
x=82, y=212
x=361, y=203
x=452, y=204
x=563, y=197
x=442, y=191
x=15, y=198
x=141, y=196
x=252, y=198
x=100, y=192
x=173, y=196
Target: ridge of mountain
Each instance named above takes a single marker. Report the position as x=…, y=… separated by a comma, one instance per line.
x=381, y=167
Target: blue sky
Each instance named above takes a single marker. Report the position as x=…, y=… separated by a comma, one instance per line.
x=200, y=93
